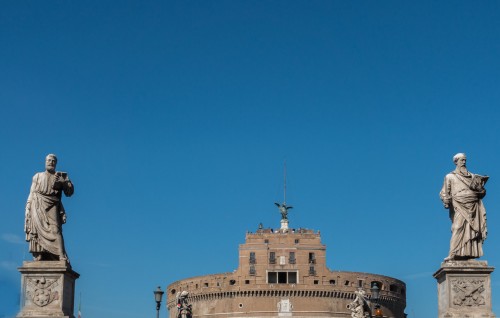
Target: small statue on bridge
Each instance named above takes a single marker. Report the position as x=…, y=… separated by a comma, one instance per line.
x=184, y=310
x=359, y=306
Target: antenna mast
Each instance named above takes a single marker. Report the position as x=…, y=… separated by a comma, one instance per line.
x=284, y=188
x=283, y=207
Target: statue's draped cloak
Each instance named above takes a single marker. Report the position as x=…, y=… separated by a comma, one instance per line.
x=468, y=215
x=44, y=219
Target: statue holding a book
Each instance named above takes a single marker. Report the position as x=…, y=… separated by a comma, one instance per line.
x=462, y=195
x=45, y=213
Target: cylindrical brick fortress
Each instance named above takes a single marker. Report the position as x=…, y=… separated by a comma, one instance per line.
x=282, y=274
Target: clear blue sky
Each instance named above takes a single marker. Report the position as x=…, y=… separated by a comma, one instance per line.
x=173, y=119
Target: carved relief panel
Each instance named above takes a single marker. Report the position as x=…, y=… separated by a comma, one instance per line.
x=468, y=292
x=42, y=290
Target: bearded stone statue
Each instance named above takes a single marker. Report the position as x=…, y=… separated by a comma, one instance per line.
x=45, y=213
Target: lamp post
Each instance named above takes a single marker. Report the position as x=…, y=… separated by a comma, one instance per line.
x=375, y=296
x=158, y=295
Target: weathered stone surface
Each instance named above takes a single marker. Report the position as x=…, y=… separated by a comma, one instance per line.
x=47, y=289
x=464, y=289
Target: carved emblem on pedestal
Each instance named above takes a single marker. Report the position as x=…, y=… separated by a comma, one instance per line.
x=41, y=290
x=468, y=292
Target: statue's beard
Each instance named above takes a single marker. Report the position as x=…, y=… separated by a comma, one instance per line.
x=51, y=168
x=463, y=170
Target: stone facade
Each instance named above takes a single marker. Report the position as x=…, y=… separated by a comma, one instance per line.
x=284, y=273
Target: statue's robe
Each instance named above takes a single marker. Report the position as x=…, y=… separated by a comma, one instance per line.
x=44, y=211
x=467, y=213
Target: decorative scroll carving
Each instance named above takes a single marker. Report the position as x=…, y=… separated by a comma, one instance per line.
x=41, y=290
x=468, y=292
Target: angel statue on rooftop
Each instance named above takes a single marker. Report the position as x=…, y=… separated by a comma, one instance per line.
x=283, y=210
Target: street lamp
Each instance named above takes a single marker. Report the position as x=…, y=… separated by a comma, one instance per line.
x=158, y=295
x=375, y=296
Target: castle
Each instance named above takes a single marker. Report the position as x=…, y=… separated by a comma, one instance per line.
x=283, y=273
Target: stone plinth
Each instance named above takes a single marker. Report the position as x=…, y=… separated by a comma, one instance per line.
x=284, y=225
x=464, y=289
x=47, y=289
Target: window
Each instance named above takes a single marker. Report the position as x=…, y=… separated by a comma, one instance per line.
x=282, y=277
x=252, y=269
x=232, y=282
x=252, y=258
x=296, y=241
x=312, y=258
x=291, y=258
x=332, y=281
x=247, y=281
x=272, y=258
x=379, y=284
x=393, y=288
x=292, y=277
x=316, y=282
x=312, y=271
x=205, y=284
x=266, y=241
x=272, y=278
x=360, y=283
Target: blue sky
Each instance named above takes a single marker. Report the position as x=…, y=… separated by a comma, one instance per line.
x=174, y=118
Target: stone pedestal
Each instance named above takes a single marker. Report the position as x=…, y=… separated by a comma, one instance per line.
x=47, y=289
x=464, y=289
x=284, y=225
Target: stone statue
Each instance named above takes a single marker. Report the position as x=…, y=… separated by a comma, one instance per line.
x=283, y=210
x=359, y=306
x=45, y=212
x=462, y=193
x=184, y=310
